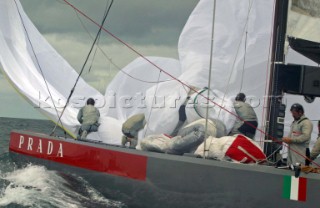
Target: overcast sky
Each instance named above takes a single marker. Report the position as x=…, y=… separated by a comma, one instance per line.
x=151, y=27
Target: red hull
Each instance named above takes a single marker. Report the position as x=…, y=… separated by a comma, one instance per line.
x=79, y=155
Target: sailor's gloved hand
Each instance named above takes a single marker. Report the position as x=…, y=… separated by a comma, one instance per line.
x=182, y=113
x=286, y=140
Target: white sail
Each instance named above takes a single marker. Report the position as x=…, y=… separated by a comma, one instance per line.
x=243, y=31
x=240, y=62
x=37, y=71
x=232, y=20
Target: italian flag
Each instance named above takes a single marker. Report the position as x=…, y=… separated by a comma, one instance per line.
x=295, y=188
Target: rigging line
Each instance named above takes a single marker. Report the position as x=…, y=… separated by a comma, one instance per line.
x=265, y=99
x=298, y=153
x=112, y=62
x=140, y=80
x=274, y=152
x=97, y=44
x=128, y=46
x=244, y=60
x=194, y=90
x=261, y=131
x=89, y=34
x=38, y=64
x=209, y=80
x=237, y=52
x=131, y=48
x=93, y=57
x=87, y=58
x=187, y=91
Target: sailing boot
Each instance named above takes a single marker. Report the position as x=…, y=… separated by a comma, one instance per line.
x=124, y=140
x=84, y=134
x=133, y=143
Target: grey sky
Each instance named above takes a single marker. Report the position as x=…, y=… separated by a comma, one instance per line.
x=151, y=27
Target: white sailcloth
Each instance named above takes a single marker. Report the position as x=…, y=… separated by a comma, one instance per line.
x=37, y=71
x=232, y=20
x=19, y=60
x=240, y=62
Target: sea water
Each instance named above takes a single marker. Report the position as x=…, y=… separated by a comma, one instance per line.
x=30, y=185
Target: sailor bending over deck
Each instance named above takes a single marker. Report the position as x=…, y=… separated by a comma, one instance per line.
x=88, y=116
x=247, y=123
x=131, y=128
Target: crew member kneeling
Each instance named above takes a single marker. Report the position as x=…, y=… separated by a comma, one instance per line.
x=88, y=116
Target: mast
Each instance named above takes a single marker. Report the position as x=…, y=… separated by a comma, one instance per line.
x=209, y=80
x=276, y=110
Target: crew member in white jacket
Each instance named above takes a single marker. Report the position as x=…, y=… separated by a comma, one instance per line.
x=316, y=148
x=299, y=136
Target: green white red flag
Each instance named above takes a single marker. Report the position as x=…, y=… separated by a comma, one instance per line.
x=295, y=188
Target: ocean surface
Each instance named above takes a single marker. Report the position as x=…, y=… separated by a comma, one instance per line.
x=32, y=185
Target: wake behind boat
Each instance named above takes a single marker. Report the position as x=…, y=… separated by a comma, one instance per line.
x=149, y=179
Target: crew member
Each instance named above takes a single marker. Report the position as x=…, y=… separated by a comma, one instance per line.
x=247, y=122
x=131, y=128
x=88, y=116
x=316, y=148
x=299, y=136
